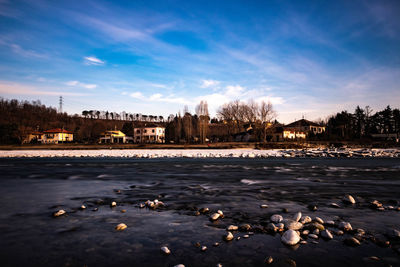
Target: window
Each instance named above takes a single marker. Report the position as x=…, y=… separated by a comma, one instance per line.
x=152, y=131
x=145, y=131
x=138, y=131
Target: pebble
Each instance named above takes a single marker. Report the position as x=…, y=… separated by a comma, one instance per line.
x=314, y=242
x=221, y=214
x=395, y=234
x=238, y=238
x=83, y=207
x=59, y=213
x=228, y=236
x=113, y=204
x=316, y=232
x=272, y=228
x=290, y=262
x=216, y=244
x=319, y=220
x=297, y=216
x=345, y=226
x=349, y=199
x=303, y=242
x=123, y=211
x=316, y=226
x=312, y=207
x=280, y=226
x=95, y=209
x=214, y=216
x=219, y=265
x=376, y=204
x=204, y=210
x=285, y=210
x=294, y=225
x=290, y=237
x=232, y=228
x=352, y=241
x=179, y=265
x=263, y=206
x=305, y=232
x=165, y=250
x=330, y=223
x=327, y=234
x=246, y=236
x=121, y=227
x=305, y=219
x=203, y=248
x=334, y=205
x=141, y=205
x=269, y=260
x=276, y=218
x=314, y=236
x=375, y=258
x=338, y=232
x=245, y=227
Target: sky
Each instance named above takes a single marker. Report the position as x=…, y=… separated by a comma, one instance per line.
x=310, y=59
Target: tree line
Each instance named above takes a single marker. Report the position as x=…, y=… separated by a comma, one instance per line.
x=19, y=118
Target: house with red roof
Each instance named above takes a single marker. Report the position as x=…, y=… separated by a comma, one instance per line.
x=58, y=135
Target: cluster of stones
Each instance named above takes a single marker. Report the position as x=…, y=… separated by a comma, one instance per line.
x=155, y=204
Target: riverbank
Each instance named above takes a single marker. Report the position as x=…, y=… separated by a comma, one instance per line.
x=209, y=153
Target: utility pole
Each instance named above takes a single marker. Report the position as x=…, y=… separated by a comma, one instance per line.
x=60, y=104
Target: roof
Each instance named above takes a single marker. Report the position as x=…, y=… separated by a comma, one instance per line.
x=36, y=133
x=57, y=130
x=302, y=123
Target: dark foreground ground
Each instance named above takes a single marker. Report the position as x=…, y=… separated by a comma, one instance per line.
x=32, y=189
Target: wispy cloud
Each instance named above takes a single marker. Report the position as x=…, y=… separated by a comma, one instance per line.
x=209, y=83
x=92, y=60
x=12, y=88
x=80, y=84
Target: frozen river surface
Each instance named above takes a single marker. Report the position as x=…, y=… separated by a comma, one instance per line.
x=32, y=189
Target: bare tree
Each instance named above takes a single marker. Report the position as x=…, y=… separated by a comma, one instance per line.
x=266, y=114
x=204, y=118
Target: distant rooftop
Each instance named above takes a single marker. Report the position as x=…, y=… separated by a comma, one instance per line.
x=302, y=123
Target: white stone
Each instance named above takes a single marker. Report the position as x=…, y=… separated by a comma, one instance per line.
x=113, y=204
x=314, y=236
x=294, y=225
x=319, y=220
x=326, y=234
x=305, y=219
x=297, y=216
x=203, y=248
x=232, y=228
x=165, y=250
x=228, y=236
x=276, y=218
x=346, y=226
x=349, y=199
x=59, y=213
x=121, y=227
x=290, y=237
x=215, y=216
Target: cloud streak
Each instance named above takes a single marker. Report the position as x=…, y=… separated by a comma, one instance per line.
x=93, y=61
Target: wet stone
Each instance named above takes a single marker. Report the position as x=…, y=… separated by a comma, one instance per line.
x=305, y=219
x=214, y=216
x=204, y=210
x=59, y=213
x=312, y=207
x=228, y=236
x=290, y=263
x=121, y=227
x=294, y=225
x=290, y=237
x=345, y=226
x=232, y=228
x=352, y=242
x=348, y=199
x=271, y=228
x=319, y=220
x=263, y=206
x=326, y=234
x=330, y=223
x=314, y=236
x=203, y=248
x=276, y=218
x=165, y=250
x=269, y=260
x=245, y=227
x=113, y=204
x=297, y=216
x=334, y=205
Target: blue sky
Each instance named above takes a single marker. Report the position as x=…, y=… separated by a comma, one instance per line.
x=309, y=58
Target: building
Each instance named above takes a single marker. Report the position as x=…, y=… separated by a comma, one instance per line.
x=149, y=134
x=33, y=137
x=114, y=137
x=306, y=126
x=284, y=133
x=55, y=136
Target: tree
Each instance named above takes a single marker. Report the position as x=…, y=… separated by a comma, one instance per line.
x=266, y=114
x=203, y=119
x=85, y=113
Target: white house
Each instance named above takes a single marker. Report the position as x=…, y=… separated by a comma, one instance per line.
x=149, y=134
